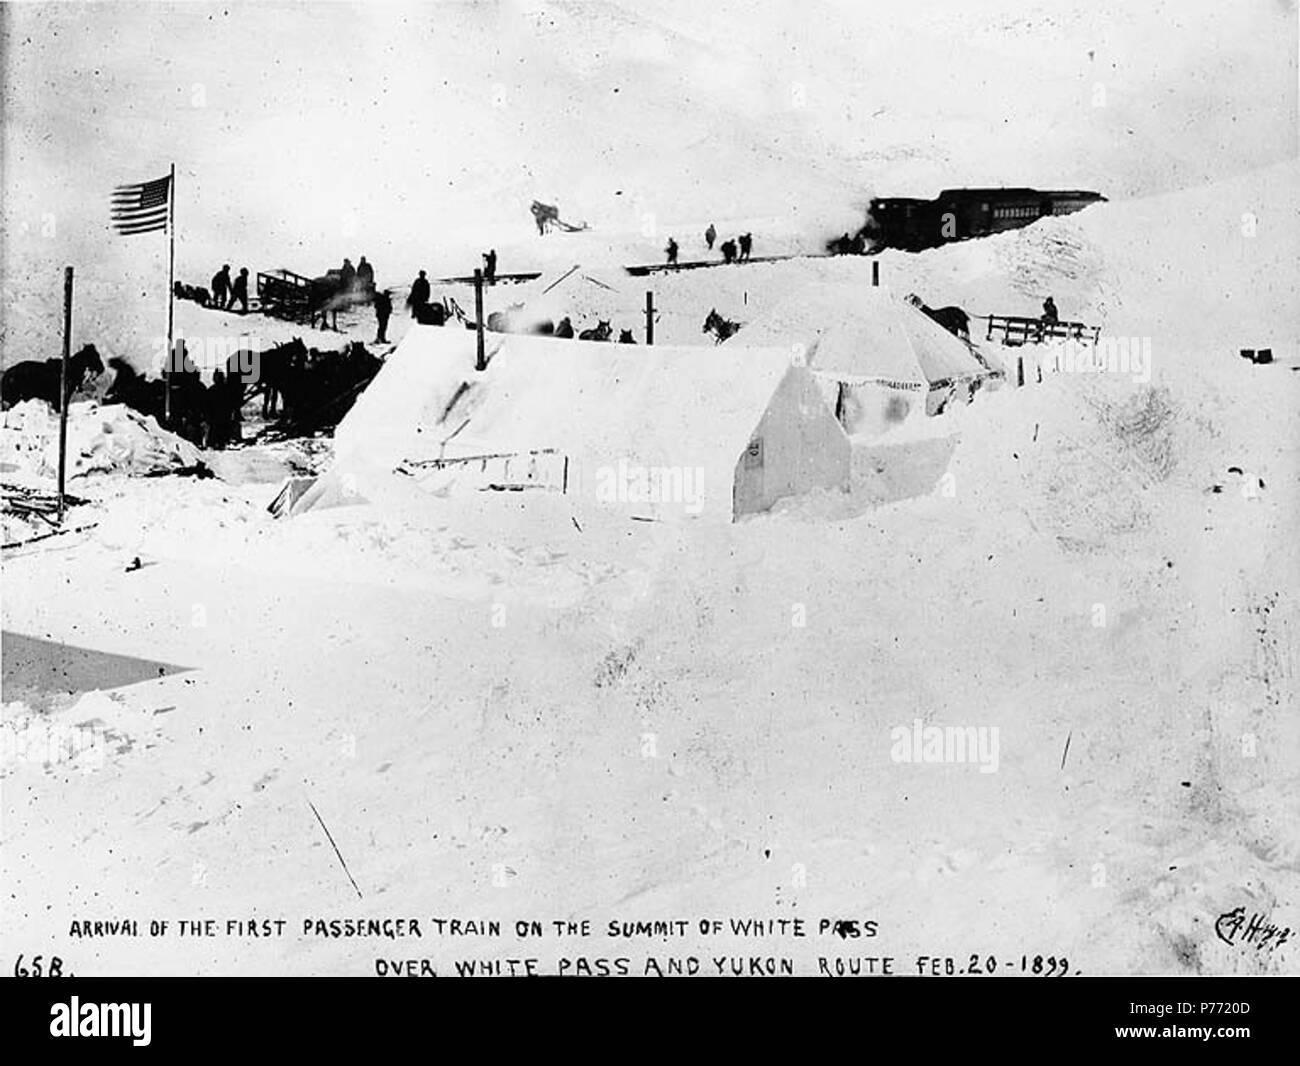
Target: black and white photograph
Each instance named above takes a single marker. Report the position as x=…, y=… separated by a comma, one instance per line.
x=638, y=488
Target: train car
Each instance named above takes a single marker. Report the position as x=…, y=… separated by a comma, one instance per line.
x=959, y=214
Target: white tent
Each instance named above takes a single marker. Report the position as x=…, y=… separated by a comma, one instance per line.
x=661, y=432
x=879, y=360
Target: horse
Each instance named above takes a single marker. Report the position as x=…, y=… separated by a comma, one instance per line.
x=135, y=391
x=274, y=368
x=37, y=380
x=602, y=332
x=720, y=327
x=191, y=403
x=625, y=337
x=953, y=319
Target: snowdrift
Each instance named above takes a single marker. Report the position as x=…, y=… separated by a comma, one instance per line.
x=101, y=439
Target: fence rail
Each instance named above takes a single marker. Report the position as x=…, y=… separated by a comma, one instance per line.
x=1017, y=330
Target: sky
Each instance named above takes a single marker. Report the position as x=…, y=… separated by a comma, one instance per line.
x=419, y=134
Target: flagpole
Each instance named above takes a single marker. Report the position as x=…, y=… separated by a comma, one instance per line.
x=171, y=299
x=63, y=387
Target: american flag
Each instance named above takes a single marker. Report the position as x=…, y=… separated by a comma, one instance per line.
x=142, y=208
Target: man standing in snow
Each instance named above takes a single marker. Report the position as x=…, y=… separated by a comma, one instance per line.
x=366, y=276
x=710, y=235
x=419, y=295
x=383, y=309
x=746, y=243
x=490, y=265
x=728, y=249
x=671, y=250
x=221, y=286
x=1049, y=311
x=239, y=291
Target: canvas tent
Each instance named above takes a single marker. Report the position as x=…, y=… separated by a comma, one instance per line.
x=658, y=432
x=878, y=360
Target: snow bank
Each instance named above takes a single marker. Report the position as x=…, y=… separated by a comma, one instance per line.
x=107, y=439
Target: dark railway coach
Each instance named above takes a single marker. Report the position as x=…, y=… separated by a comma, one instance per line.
x=959, y=214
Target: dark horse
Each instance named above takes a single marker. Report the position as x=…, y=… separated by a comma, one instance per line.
x=273, y=370
x=191, y=401
x=36, y=380
x=953, y=319
x=134, y=390
x=720, y=327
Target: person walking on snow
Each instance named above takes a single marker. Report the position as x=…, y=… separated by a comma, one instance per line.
x=419, y=295
x=221, y=286
x=239, y=291
x=383, y=309
x=671, y=250
x=710, y=235
x=365, y=275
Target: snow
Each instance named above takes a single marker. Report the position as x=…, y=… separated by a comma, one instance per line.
x=502, y=709
x=108, y=439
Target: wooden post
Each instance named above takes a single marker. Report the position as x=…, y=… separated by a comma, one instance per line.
x=649, y=317
x=63, y=385
x=1020, y=371
x=875, y=273
x=481, y=361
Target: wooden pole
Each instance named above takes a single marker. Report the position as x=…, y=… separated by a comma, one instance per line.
x=171, y=300
x=875, y=273
x=481, y=362
x=1020, y=371
x=63, y=385
x=649, y=317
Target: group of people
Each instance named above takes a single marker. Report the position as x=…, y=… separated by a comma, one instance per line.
x=736, y=250
x=846, y=245
x=360, y=281
x=359, y=278
x=227, y=292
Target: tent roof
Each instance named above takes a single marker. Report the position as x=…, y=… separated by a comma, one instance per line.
x=576, y=291
x=862, y=334
x=600, y=403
